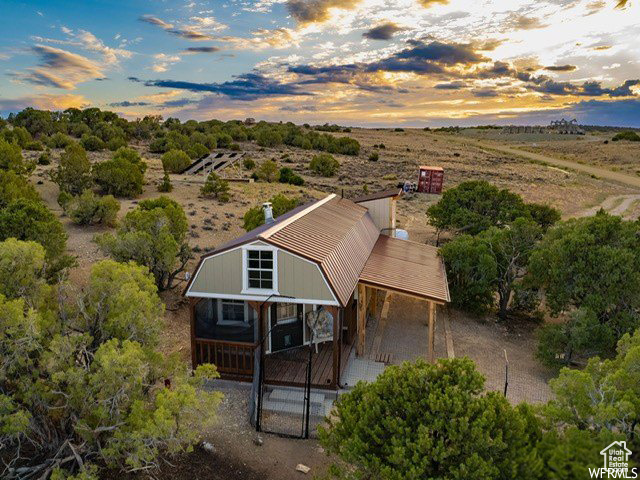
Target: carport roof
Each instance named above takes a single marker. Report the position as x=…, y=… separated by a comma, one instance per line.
x=406, y=267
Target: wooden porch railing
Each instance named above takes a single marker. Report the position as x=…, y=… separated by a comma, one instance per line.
x=229, y=357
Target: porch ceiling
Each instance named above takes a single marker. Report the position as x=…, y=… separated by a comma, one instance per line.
x=408, y=268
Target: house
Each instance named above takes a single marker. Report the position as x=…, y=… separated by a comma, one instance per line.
x=307, y=278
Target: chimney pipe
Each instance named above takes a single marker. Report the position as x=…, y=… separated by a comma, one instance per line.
x=268, y=212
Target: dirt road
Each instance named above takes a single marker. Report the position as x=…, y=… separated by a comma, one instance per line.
x=625, y=206
x=619, y=177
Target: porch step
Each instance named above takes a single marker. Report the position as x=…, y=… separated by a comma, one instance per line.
x=291, y=401
x=294, y=396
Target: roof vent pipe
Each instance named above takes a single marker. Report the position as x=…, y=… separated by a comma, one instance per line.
x=268, y=212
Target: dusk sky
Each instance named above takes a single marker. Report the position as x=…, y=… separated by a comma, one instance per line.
x=351, y=62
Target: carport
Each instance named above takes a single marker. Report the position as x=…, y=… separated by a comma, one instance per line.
x=406, y=268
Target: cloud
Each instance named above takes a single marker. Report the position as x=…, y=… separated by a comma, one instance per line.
x=264, y=38
x=192, y=50
x=299, y=108
x=90, y=42
x=419, y=57
x=44, y=102
x=561, y=68
x=456, y=85
x=127, y=103
x=523, y=22
x=484, y=92
x=59, y=68
x=150, y=19
x=248, y=86
x=316, y=11
x=588, y=89
x=163, y=61
x=384, y=31
x=209, y=23
x=430, y=3
x=189, y=32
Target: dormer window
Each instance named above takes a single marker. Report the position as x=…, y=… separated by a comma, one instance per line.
x=260, y=269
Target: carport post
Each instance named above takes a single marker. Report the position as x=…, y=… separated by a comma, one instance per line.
x=432, y=321
x=362, y=318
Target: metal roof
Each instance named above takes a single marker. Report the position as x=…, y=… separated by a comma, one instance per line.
x=340, y=236
x=407, y=267
x=335, y=233
x=396, y=192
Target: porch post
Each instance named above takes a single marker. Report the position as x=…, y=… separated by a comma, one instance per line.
x=362, y=318
x=373, y=302
x=192, y=323
x=432, y=321
x=335, y=312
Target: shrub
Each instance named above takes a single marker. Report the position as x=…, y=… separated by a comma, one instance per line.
x=629, y=135
x=34, y=146
x=92, y=143
x=11, y=158
x=268, y=138
x=254, y=217
x=98, y=355
x=235, y=147
x=344, y=146
x=118, y=177
x=132, y=156
x=74, y=170
x=223, y=140
x=197, y=150
x=153, y=235
x=116, y=143
x=374, y=157
x=26, y=219
x=44, y=158
x=325, y=165
x=165, y=186
x=419, y=421
x=268, y=171
x=175, y=161
x=476, y=205
x=579, y=265
x=59, y=140
x=90, y=209
x=249, y=163
x=216, y=187
x=288, y=176
x=14, y=187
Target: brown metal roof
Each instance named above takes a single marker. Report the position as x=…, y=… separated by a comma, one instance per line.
x=335, y=233
x=396, y=192
x=406, y=267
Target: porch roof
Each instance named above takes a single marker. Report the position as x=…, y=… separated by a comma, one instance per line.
x=406, y=267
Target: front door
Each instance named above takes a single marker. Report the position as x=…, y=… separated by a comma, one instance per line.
x=287, y=326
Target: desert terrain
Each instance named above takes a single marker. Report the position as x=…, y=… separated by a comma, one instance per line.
x=467, y=156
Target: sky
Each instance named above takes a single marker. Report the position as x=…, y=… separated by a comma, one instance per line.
x=351, y=62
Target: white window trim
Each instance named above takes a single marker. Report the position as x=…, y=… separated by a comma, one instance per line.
x=222, y=321
x=245, y=271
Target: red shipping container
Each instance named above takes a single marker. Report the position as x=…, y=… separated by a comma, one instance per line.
x=430, y=180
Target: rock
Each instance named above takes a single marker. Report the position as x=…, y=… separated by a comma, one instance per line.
x=303, y=468
x=258, y=440
x=208, y=447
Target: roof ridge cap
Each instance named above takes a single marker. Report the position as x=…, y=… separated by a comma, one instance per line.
x=280, y=225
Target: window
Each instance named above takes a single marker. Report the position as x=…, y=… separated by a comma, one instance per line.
x=260, y=269
x=232, y=312
x=286, y=313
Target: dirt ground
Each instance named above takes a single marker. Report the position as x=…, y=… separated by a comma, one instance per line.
x=213, y=223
